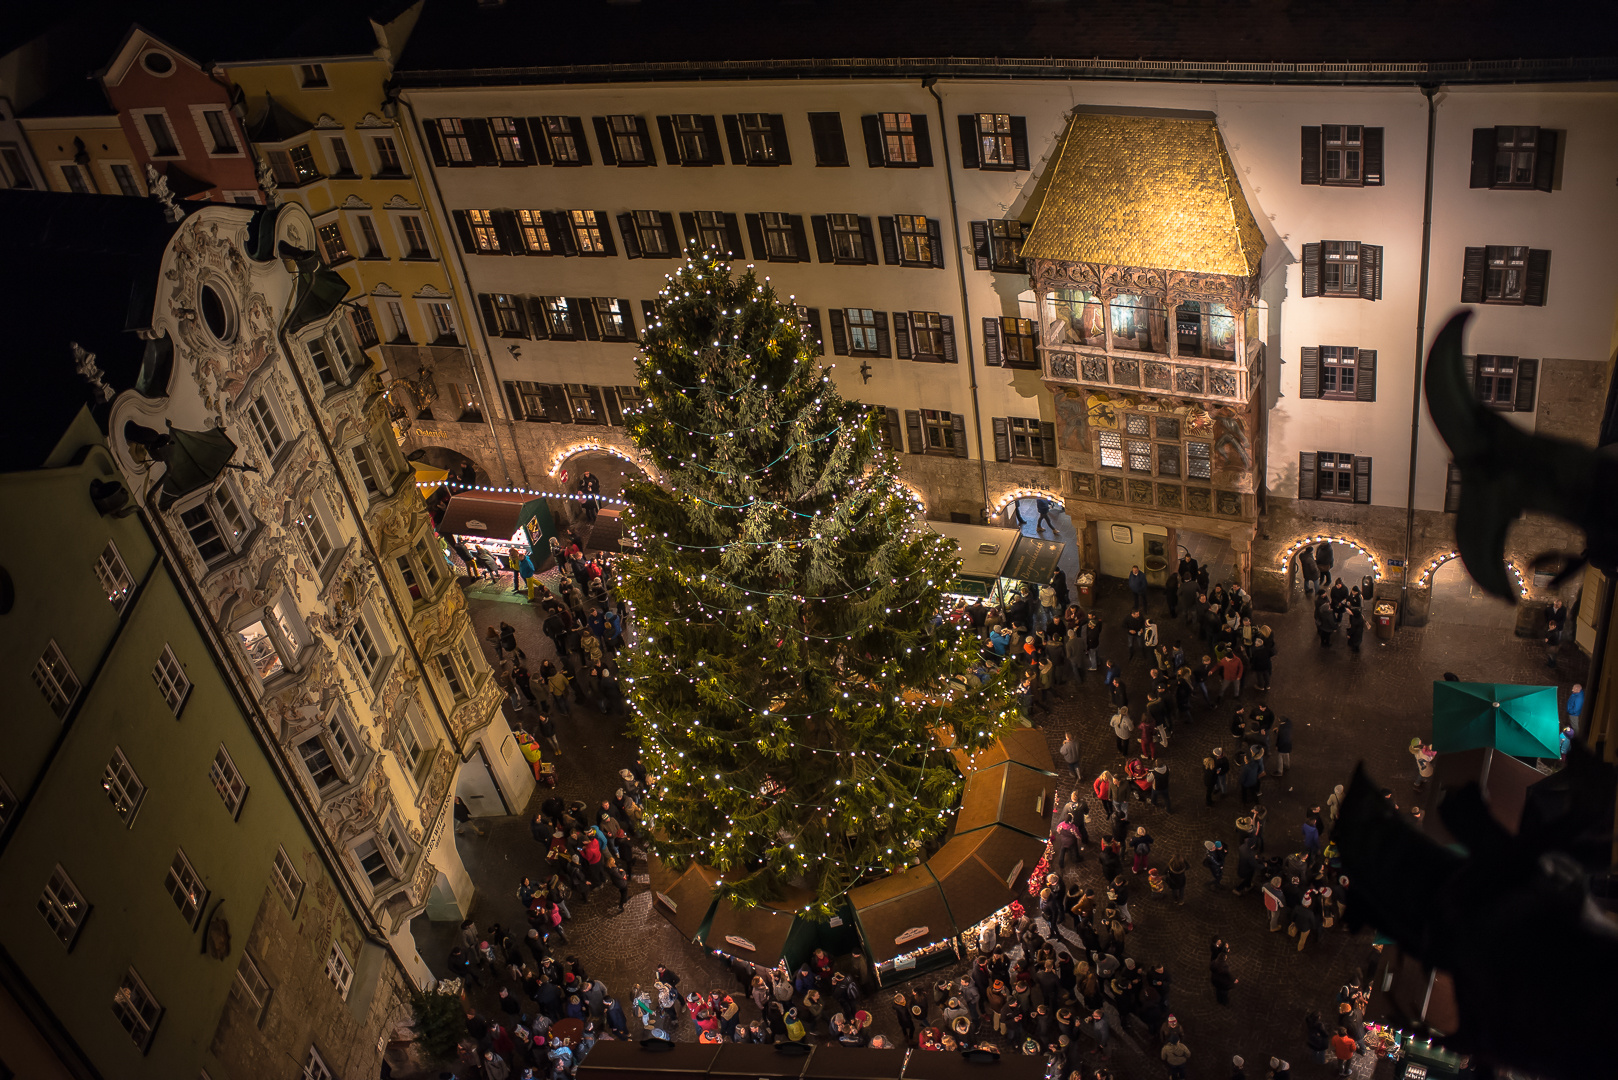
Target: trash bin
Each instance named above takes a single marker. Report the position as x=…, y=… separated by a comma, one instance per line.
x=1157, y=570
x=1383, y=614
x=1087, y=590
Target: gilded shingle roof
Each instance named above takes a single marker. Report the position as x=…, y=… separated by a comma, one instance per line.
x=1146, y=191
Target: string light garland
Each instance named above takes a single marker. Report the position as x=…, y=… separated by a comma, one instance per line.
x=1303, y=542
x=1015, y=494
x=567, y=495
x=561, y=456
x=1433, y=564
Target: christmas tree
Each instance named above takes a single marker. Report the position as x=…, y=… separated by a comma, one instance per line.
x=792, y=686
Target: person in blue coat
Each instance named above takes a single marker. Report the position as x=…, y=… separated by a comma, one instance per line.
x=1137, y=586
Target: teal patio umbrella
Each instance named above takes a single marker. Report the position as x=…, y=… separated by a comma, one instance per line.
x=1522, y=721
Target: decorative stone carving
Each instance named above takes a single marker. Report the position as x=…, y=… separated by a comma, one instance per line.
x=1229, y=503
x=1157, y=375
x=1093, y=368
x=1236, y=293
x=1222, y=382
x=1168, y=496
x=325, y=123
x=1199, y=500
x=358, y=808
x=1126, y=372
x=1111, y=488
x=1140, y=492
x=1188, y=379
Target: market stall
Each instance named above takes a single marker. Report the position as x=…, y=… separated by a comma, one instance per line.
x=614, y=1060
x=995, y=561
x=756, y=1061
x=684, y=896
x=945, y=1066
x=765, y=934
x=1008, y=794
x=983, y=871
x=834, y=1062
x=1025, y=746
x=500, y=520
x=904, y=923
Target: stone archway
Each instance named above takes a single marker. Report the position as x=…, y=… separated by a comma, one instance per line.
x=613, y=468
x=452, y=461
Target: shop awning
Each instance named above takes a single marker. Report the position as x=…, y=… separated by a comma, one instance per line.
x=984, y=870
x=765, y=933
x=684, y=897
x=496, y=515
x=900, y=914
x=989, y=553
x=426, y=474
x=1520, y=720
x=1008, y=794
x=1025, y=746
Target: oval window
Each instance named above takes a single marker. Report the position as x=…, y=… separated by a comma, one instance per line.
x=157, y=63
x=215, y=315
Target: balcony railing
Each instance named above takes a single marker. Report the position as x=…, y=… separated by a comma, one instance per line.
x=1150, y=373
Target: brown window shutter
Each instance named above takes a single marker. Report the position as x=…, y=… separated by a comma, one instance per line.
x=969, y=141
x=839, y=336
x=671, y=234
x=1311, y=155
x=1372, y=170
x=435, y=142
x=631, y=238
x=991, y=341
x=609, y=153
x=604, y=223
x=1365, y=376
x=890, y=240
x=480, y=140
x=1545, y=160
x=1002, y=438
x=600, y=409
x=755, y=233
x=538, y=145
x=1539, y=272
x=1452, y=490
x=560, y=232
x=733, y=136
x=584, y=310
x=918, y=443
x=883, y=343
x=525, y=143
x=830, y=149
x=576, y=127
x=1362, y=479
x=980, y=246
x=800, y=242
x=522, y=319
x=948, y=323
x=1472, y=270
x=733, y=237
x=1370, y=271
x=514, y=401
x=958, y=422
x=615, y=409
x=901, y=334
x=629, y=319
x=924, y=144
x=895, y=430
x=822, y=231
x=671, y=144
x=1309, y=373
x=817, y=339
x=1019, y=142
x=536, y=317
x=556, y=408
x=868, y=241
x=710, y=132
x=1527, y=376
x=936, y=233
x=1482, y=157
x=1311, y=269
x=463, y=229
x=505, y=227
x=1047, y=441
x=778, y=128
x=491, y=321
x=1469, y=372
x=874, y=157
x=1308, y=475
x=645, y=142
x=688, y=225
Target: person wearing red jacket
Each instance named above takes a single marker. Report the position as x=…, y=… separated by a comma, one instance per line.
x=1230, y=669
x=1343, y=1048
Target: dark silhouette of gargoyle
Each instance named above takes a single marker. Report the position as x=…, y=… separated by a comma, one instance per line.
x=1534, y=962
x=1505, y=470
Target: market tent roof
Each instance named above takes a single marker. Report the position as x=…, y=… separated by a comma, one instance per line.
x=1520, y=720
x=984, y=549
x=685, y=896
x=982, y=871
x=1148, y=191
x=427, y=474
x=493, y=514
x=627, y=1060
x=1011, y=1066
x=757, y=1061
x=762, y=934
x=1025, y=746
x=834, y=1062
x=1008, y=794
x=891, y=910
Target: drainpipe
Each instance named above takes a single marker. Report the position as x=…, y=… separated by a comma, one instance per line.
x=1421, y=346
x=960, y=270
x=490, y=404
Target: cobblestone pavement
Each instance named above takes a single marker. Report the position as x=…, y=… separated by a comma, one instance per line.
x=1345, y=708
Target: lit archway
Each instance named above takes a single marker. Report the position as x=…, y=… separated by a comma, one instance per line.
x=1347, y=541
x=1008, y=497
x=1426, y=576
x=561, y=457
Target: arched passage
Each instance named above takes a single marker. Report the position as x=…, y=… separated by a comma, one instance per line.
x=612, y=468
x=453, y=462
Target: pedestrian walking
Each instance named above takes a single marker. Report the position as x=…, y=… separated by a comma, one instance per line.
x=1044, y=507
x=1123, y=728
x=1309, y=571
x=1214, y=860
x=1356, y=629
x=1274, y=903
x=1137, y=587
x=1219, y=973
x=1552, y=642
x=1325, y=623
x=1324, y=560
x=1283, y=748
x=1304, y=920
x=1175, y=1054
x=1344, y=1048
x=1092, y=640
x=1160, y=785
x=1575, y=709
x=1176, y=878
x=1140, y=846
x=1070, y=753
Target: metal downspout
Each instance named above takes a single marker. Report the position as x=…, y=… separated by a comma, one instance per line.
x=1421, y=345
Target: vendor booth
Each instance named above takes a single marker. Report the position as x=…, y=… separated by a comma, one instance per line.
x=1025, y=746
x=765, y=934
x=502, y=520
x=994, y=561
x=756, y=1061
x=684, y=896
x=983, y=871
x=834, y=1062
x=614, y=1060
x=905, y=924
x=1524, y=721
x=1008, y=794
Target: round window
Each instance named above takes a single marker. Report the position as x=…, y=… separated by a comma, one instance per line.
x=216, y=314
x=157, y=63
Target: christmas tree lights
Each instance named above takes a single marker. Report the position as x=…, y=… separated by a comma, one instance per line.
x=792, y=689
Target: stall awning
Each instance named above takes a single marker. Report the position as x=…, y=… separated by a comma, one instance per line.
x=496, y=515
x=901, y=913
x=684, y=896
x=1025, y=746
x=984, y=870
x=1008, y=794
x=989, y=553
x=763, y=934
x=1033, y=559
